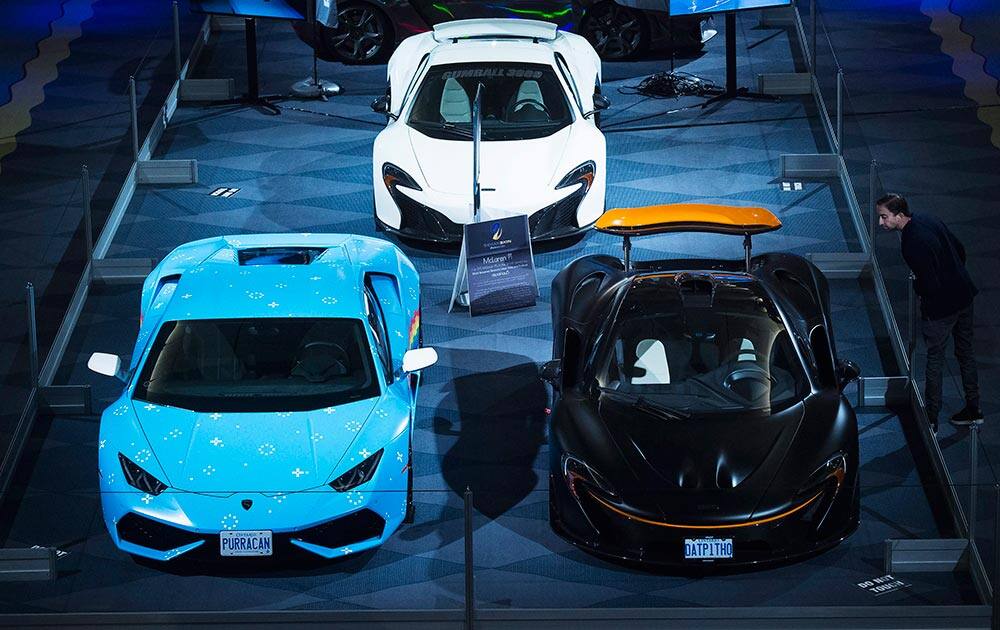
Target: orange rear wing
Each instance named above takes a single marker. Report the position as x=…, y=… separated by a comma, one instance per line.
x=687, y=217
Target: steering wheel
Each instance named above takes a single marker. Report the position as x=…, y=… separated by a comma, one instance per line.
x=530, y=101
x=318, y=361
x=748, y=382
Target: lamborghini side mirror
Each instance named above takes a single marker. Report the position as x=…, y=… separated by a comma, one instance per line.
x=107, y=365
x=419, y=359
x=847, y=372
x=551, y=372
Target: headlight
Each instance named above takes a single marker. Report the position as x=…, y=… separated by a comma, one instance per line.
x=358, y=475
x=834, y=468
x=139, y=479
x=575, y=471
x=583, y=174
x=394, y=176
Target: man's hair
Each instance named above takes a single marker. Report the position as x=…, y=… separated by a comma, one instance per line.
x=895, y=204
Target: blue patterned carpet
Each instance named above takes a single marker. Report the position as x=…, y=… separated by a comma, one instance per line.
x=481, y=419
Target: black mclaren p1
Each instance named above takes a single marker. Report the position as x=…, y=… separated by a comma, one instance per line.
x=369, y=30
x=698, y=418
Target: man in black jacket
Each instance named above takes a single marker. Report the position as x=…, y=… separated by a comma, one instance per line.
x=937, y=260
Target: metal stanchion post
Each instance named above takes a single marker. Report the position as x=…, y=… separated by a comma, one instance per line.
x=973, y=477
x=32, y=336
x=470, y=592
x=840, y=111
x=996, y=557
x=135, y=118
x=88, y=226
x=873, y=222
x=812, y=44
x=911, y=324
x=177, y=41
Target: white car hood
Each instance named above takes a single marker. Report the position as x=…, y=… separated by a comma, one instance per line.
x=510, y=167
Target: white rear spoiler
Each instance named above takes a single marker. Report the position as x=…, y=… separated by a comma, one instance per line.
x=499, y=28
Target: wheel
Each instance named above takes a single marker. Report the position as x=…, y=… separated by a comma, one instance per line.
x=363, y=35
x=616, y=32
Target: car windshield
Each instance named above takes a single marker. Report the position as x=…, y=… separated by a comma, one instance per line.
x=258, y=365
x=520, y=101
x=697, y=344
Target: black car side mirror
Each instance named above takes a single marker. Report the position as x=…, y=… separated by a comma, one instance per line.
x=551, y=372
x=381, y=106
x=847, y=372
x=601, y=103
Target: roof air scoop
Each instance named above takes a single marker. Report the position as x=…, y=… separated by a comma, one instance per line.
x=279, y=255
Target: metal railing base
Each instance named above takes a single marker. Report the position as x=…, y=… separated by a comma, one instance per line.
x=167, y=172
x=64, y=400
x=785, y=83
x=17, y=565
x=207, y=90
x=926, y=555
x=817, y=165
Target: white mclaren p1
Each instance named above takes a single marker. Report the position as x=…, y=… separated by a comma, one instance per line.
x=542, y=153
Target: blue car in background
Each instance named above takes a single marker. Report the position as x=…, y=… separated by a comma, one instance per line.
x=269, y=400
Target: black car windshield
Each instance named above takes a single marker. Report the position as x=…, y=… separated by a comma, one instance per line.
x=251, y=365
x=520, y=101
x=697, y=344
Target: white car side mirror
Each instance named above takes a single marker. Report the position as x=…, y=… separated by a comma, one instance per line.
x=418, y=359
x=106, y=364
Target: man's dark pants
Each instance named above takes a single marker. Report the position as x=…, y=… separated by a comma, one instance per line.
x=936, y=333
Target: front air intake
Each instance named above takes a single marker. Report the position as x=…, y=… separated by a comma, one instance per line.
x=279, y=255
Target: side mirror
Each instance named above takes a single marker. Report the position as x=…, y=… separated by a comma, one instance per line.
x=551, y=372
x=106, y=364
x=418, y=359
x=381, y=106
x=601, y=103
x=847, y=372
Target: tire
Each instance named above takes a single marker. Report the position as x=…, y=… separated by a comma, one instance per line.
x=616, y=32
x=364, y=34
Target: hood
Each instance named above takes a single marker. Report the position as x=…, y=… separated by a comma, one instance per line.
x=711, y=455
x=250, y=452
x=511, y=167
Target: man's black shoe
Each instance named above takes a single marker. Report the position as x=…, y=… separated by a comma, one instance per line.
x=967, y=416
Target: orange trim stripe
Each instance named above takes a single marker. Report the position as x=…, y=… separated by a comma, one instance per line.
x=759, y=521
x=687, y=217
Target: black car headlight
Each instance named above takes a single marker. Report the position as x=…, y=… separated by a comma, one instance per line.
x=358, y=475
x=140, y=479
x=394, y=176
x=833, y=470
x=583, y=174
x=577, y=471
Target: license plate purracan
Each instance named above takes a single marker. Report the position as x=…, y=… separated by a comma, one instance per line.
x=246, y=543
x=708, y=548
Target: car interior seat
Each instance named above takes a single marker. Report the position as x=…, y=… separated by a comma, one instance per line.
x=455, y=107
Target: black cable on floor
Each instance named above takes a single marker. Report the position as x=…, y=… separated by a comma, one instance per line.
x=328, y=115
x=669, y=85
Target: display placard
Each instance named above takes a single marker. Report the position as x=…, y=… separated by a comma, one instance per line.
x=500, y=266
x=691, y=7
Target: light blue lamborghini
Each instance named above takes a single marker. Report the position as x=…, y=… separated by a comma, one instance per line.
x=269, y=400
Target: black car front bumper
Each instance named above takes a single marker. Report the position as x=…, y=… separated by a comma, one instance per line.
x=589, y=523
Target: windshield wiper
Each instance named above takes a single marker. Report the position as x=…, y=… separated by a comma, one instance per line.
x=449, y=127
x=643, y=404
